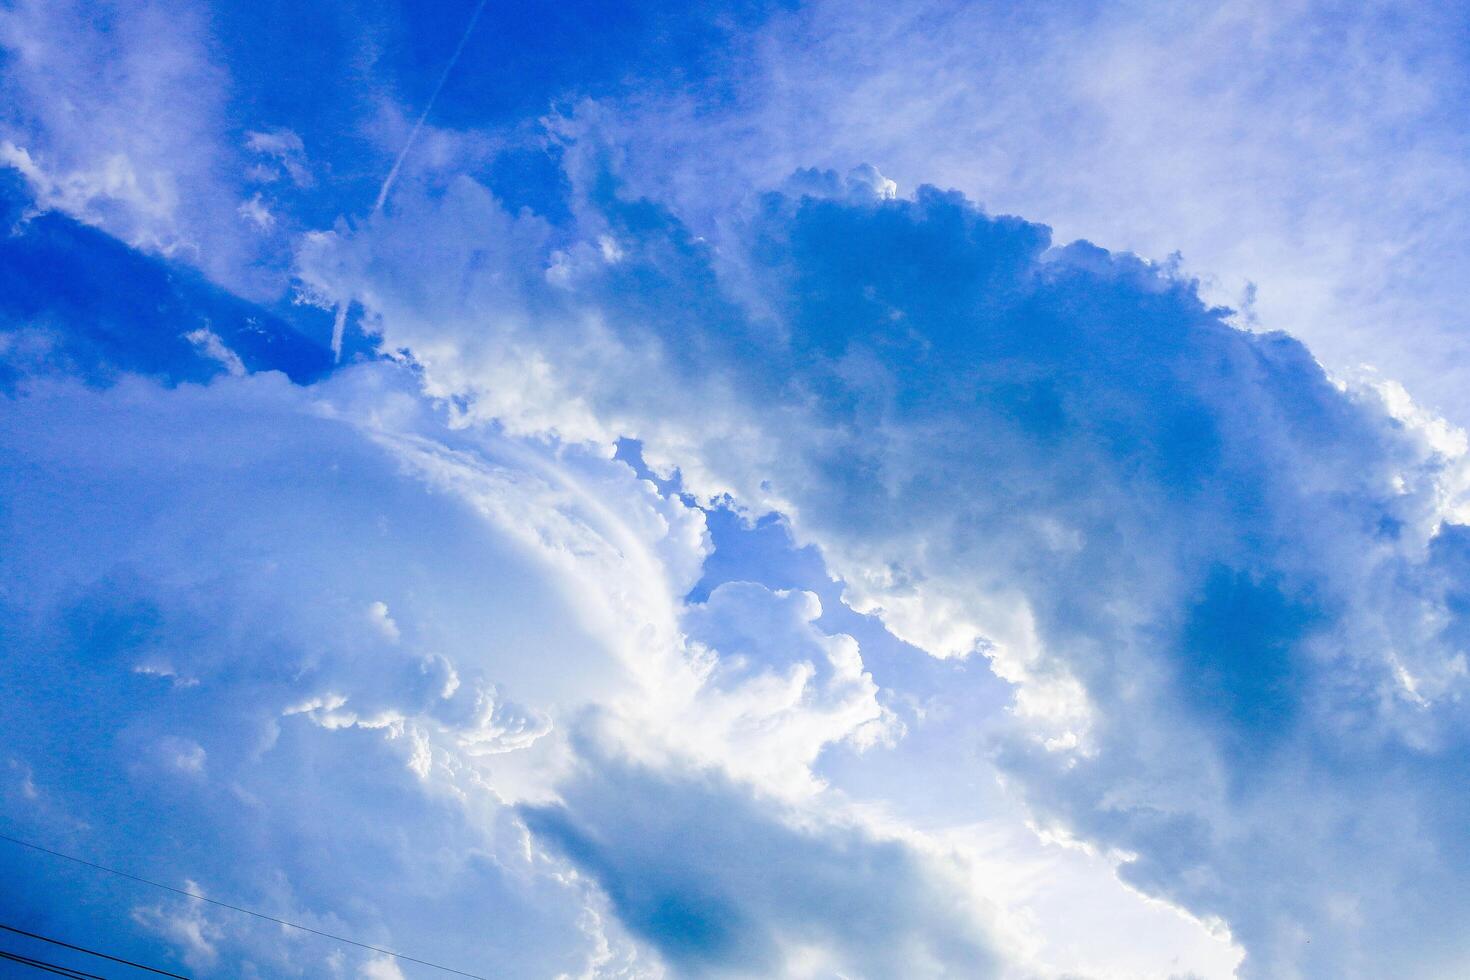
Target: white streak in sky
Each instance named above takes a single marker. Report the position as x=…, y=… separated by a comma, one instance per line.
x=444, y=77
x=339, y=326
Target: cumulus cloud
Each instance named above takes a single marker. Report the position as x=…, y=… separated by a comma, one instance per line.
x=332, y=775
x=415, y=641
x=778, y=689
x=674, y=853
x=1223, y=583
x=403, y=659
x=1298, y=155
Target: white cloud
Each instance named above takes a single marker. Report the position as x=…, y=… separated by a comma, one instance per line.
x=182, y=754
x=724, y=884
x=551, y=574
x=380, y=968
x=1055, y=458
x=185, y=923
x=1301, y=157
x=284, y=155
x=114, y=123
x=1049, y=462
x=302, y=718
x=777, y=690
x=255, y=211
x=213, y=347
x=115, y=112
x=378, y=616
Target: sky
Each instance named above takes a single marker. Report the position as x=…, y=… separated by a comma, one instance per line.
x=736, y=489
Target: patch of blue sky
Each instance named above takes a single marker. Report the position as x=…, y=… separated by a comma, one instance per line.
x=77, y=301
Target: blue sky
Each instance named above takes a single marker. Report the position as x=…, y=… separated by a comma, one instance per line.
x=737, y=489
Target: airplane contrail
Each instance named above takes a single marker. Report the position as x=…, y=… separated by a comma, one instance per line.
x=408, y=144
x=339, y=324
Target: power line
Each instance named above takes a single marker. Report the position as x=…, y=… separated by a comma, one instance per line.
x=259, y=915
x=45, y=967
x=93, y=952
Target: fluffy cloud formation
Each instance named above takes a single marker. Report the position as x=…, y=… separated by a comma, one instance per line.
x=1228, y=588
x=820, y=901
x=335, y=633
x=685, y=577
x=207, y=604
x=1302, y=157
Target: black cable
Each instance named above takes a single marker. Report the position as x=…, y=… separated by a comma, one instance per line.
x=44, y=967
x=236, y=908
x=92, y=952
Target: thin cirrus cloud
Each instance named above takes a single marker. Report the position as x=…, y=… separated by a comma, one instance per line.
x=708, y=563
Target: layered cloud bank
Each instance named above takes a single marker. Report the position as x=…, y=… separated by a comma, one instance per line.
x=294, y=618
x=809, y=580
x=1227, y=588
